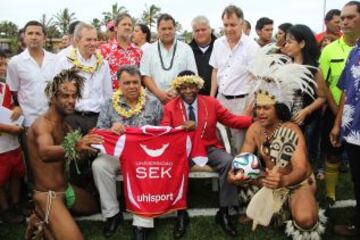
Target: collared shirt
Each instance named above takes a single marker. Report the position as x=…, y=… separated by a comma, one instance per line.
x=332, y=62
x=151, y=65
x=97, y=85
x=29, y=80
x=150, y=115
x=195, y=109
x=64, y=52
x=117, y=56
x=232, y=64
x=350, y=83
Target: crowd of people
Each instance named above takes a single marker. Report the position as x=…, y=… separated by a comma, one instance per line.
x=292, y=100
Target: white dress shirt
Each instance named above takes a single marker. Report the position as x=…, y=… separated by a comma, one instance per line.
x=231, y=64
x=150, y=64
x=29, y=80
x=97, y=85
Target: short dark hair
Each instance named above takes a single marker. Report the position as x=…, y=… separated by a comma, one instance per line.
x=282, y=112
x=247, y=24
x=145, y=29
x=165, y=17
x=354, y=3
x=72, y=27
x=130, y=69
x=330, y=14
x=285, y=27
x=262, y=22
x=120, y=17
x=35, y=23
x=2, y=54
x=232, y=9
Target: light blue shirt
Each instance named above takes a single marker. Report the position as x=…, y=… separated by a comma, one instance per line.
x=195, y=109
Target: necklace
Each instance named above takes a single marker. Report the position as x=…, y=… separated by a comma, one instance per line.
x=132, y=110
x=265, y=146
x=88, y=69
x=172, y=57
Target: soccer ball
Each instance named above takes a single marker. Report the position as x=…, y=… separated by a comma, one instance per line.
x=248, y=164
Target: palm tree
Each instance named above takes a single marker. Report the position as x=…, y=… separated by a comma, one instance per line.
x=150, y=14
x=8, y=29
x=116, y=10
x=96, y=23
x=47, y=23
x=63, y=19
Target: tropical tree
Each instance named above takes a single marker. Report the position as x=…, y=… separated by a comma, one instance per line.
x=8, y=29
x=116, y=10
x=96, y=23
x=50, y=27
x=150, y=14
x=63, y=19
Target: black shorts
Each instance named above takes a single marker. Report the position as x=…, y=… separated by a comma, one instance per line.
x=328, y=123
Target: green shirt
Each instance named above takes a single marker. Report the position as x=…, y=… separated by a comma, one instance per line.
x=332, y=62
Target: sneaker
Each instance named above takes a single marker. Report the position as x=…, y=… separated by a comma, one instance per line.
x=347, y=230
x=11, y=217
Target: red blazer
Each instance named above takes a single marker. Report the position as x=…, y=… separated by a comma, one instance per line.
x=210, y=111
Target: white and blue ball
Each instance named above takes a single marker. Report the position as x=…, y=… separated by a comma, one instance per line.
x=248, y=164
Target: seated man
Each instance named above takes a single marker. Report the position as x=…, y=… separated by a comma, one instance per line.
x=205, y=112
x=49, y=149
x=129, y=106
x=281, y=145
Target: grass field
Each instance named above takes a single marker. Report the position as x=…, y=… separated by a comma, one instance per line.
x=200, y=196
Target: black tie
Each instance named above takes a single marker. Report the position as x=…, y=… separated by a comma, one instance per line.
x=191, y=113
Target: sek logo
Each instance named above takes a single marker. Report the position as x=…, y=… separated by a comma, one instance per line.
x=153, y=172
x=154, y=152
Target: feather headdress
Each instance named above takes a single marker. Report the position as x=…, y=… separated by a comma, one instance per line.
x=276, y=78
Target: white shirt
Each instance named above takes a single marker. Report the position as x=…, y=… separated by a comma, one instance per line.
x=145, y=46
x=29, y=80
x=97, y=86
x=150, y=64
x=231, y=64
x=195, y=109
x=64, y=52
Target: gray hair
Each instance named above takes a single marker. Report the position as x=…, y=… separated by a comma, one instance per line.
x=232, y=9
x=80, y=26
x=200, y=20
x=130, y=69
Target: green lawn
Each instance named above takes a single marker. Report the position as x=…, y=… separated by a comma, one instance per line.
x=200, y=195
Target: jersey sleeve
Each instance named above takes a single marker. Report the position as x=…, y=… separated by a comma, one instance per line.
x=113, y=143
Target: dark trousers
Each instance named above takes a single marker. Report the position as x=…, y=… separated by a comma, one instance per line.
x=221, y=161
x=83, y=122
x=353, y=152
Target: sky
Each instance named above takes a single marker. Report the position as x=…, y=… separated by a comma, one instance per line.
x=309, y=12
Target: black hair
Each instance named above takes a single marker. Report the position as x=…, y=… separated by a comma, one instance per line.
x=186, y=73
x=330, y=14
x=145, y=29
x=262, y=22
x=165, y=17
x=2, y=54
x=72, y=27
x=354, y=3
x=311, y=50
x=282, y=112
x=131, y=69
x=35, y=23
x=285, y=27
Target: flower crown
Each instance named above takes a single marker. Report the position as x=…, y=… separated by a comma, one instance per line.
x=198, y=81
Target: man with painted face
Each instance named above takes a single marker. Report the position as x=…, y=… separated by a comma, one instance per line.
x=280, y=144
x=203, y=112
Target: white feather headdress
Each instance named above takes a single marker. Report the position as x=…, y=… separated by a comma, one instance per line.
x=276, y=78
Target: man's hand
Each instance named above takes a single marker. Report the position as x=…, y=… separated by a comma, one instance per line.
x=165, y=97
x=117, y=128
x=335, y=136
x=14, y=129
x=237, y=177
x=16, y=113
x=300, y=116
x=189, y=125
x=273, y=179
x=84, y=144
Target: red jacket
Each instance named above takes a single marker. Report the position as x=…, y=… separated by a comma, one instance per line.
x=210, y=111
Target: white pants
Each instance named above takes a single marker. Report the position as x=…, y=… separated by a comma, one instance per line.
x=235, y=106
x=105, y=169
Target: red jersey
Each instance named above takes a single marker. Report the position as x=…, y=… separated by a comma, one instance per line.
x=5, y=96
x=117, y=56
x=154, y=164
